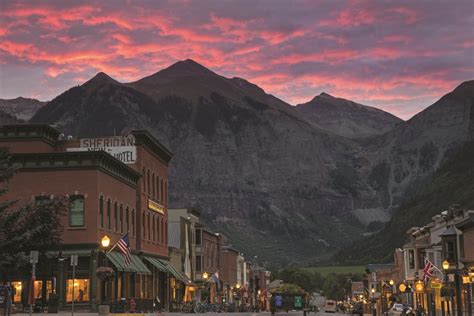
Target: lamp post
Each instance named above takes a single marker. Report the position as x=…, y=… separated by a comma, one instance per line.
x=374, y=308
x=104, y=244
x=446, y=291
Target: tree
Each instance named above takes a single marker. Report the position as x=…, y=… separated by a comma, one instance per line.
x=34, y=226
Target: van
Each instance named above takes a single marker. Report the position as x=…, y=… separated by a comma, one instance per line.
x=330, y=306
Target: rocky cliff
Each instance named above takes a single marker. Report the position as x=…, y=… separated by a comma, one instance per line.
x=21, y=108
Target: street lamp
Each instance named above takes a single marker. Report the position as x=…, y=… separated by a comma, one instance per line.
x=205, y=275
x=374, y=308
x=105, y=242
x=391, y=282
x=445, y=265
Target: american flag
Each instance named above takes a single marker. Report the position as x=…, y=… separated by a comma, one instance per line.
x=124, y=245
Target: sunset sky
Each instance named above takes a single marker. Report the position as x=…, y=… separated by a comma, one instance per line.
x=400, y=56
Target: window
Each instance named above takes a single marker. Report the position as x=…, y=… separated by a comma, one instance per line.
x=121, y=218
x=166, y=232
x=115, y=217
x=108, y=215
x=101, y=211
x=148, y=227
x=143, y=179
x=421, y=258
x=81, y=290
x=148, y=181
x=158, y=236
x=461, y=245
x=450, y=251
x=165, y=198
x=143, y=225
x=158, y=188
x=153, y=184
x=162, y=230
x=154, y=228
x=127, y=221
x=161, y=188
x=411, y=259
x=198, y=263
x=76, y=218
x=133, y=222
x=198, y=236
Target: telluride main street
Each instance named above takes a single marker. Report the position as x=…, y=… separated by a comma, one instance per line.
x=237, y=157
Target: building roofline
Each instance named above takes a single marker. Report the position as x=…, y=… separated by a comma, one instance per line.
x=143, y=137
x=28, y=131
x=77, y=160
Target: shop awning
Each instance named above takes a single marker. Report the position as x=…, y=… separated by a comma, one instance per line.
x=156, y=263
x=176, y=274
x=136, y=265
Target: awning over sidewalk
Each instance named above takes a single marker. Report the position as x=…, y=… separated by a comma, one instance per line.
x=136, y=266
x=156, y=263
x=176, y=274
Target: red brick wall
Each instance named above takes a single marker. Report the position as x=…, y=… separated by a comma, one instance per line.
x=148, y=163
x=229, y=267
x=27, y=146
x=25, y=185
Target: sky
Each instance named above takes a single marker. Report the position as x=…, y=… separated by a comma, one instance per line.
x=399, y=56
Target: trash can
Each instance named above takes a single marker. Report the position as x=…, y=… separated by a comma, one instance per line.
x=53, y=303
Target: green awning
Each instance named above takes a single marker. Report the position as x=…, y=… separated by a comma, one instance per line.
x=176, y=274
x=136, y=266
x=155, y=262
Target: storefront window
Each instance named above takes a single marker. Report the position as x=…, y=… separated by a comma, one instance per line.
x=17, y=286
x=81, y=290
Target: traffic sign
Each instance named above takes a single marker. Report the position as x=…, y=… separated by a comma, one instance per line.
x=298, y=301
x=74, y=260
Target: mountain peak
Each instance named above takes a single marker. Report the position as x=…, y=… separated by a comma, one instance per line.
x=99, y=79
x=188, y=67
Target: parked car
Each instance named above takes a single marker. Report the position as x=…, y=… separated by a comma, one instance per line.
x=397, y=307
x=330, y=306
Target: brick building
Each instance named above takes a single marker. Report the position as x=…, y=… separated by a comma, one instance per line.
x=114, y=185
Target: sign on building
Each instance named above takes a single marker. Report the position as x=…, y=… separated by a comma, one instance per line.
x=121, y=147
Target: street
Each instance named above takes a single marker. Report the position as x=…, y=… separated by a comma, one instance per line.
x=294, y=313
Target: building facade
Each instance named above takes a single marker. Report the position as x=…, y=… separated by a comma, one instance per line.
x=114, y=185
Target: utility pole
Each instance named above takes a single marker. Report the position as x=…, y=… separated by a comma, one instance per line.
x=73, y=264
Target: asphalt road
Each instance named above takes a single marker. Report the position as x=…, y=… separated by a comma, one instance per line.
x=299, y=313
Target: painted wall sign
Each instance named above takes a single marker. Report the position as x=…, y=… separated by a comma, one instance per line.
x=152, y=205
x=121, y=147
x=126, y=154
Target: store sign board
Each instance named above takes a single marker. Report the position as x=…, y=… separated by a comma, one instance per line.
x=436, y=285
x=152, y=205
x=121, y=147
x=298, y=301
x=278, y=301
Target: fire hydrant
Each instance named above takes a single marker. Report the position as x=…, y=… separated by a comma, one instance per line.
x=133, y=305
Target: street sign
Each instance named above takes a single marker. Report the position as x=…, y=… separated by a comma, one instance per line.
x=33, y=256
x=298, y=301
x=436, y=285
x=278, y=301
x=74, y=260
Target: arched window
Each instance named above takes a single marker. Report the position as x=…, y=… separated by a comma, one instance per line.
x=101, y=211
x=148, y=181
x=153, y=184
x=148, y=227
x=143, y=225
x=161, y=188
x=121, y=218
x=76, y=211
x=133, y=222
x=109, y=225
x=115, y=216
x=127, y=220
x=154, y=229
x=158, y=195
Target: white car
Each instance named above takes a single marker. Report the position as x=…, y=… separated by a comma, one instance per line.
x=397, y=307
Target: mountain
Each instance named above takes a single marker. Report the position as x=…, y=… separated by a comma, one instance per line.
x=347, y=118
x=451, y=185
x=21, y=108
x=257, y=167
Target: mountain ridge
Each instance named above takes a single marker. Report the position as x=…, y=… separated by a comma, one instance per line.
x=256, y=164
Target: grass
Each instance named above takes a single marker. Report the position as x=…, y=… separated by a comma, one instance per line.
x=336, y=269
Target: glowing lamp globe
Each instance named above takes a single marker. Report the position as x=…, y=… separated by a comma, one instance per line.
x=445, y=264
x=105, y=241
